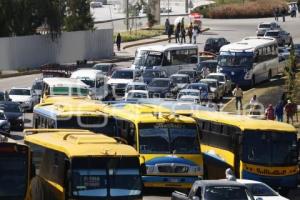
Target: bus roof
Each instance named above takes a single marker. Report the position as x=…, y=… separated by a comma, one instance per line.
x=244, y=122
x=75, y=143
x=65, y=82
x=58, y=99
x=248, y=44
x=91, y=73
x=162, y=48
x=145, y=113
x=70, y=108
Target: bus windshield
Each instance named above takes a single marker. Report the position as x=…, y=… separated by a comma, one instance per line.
x=106, y=177
x=270, y=148
x=69, y=91
x=13, y=176
x=148, y=58
x=168, y=138
x=235, y=60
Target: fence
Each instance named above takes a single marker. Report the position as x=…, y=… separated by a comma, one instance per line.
x=35, y=50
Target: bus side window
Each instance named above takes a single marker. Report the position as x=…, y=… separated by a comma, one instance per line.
x=166, y=59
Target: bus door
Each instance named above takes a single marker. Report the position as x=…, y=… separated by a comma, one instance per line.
x=14, y=170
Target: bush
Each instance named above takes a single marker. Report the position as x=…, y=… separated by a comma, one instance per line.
x=250, y=9
x=140, y=34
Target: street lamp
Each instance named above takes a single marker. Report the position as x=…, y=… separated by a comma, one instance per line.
x=168, y=8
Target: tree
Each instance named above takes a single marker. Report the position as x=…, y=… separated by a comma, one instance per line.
x=78, y=16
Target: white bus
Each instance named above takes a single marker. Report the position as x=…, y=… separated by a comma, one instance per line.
x=250, y=61
x=170, y=57
x=95, y=79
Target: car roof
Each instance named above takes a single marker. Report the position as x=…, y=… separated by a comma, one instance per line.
x=64, y=82
x=216, y=74
x=154, y=70
x=246, y=181
x=274, y=31
x=189, y=90
x=91, y=73
x=186, y=70
x=218, y=183
x=199, y=83
x=209, y=61
x=164, y=79
x=209, y=80
x=125, y=69
x=20, y=88
x=138, y=91
x=137, y=83
x=179, y=75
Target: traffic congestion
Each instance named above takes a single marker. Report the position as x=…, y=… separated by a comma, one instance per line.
x=106, y=131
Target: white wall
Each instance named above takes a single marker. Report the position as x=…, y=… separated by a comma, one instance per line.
x=36, y=50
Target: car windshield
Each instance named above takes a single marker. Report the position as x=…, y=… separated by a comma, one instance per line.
x=103, y=68
x=10, y=108
x=219, y=78
x=188, y=94
x=122, y=74
x=159, y=83
x=151, y=74
x=272, y=33
x=13, y=176
x=265, y=26
x=140, y=87
x=238, y=60
x=153, y=59
x=179, y=79
x=202, y=88
x=136, y=95
x=105, y=177
x=24, y=92
x=226, y=193
x=258, y=189
x=270, y=148
x=211, y=84
x=37, y=85
x=168, y=138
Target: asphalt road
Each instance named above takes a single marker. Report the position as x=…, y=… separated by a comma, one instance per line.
x=233, y=30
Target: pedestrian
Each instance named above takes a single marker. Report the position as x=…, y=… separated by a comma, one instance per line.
x=253, y=100
x=190, y=32
x=283, y=13
x=294, y=10
x=167, y=25
x=253, y=105
x=195, y=33
x=183, y=35
x=289, y=111
x=118, y=41
x=279, y=111
x=298, y=5
x=276, y=13
x=238, y=94
x=270, y=112
x=170, y=32
x=177, y=33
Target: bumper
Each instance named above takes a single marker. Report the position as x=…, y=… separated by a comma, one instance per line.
x=273, y=181
x=169, y=181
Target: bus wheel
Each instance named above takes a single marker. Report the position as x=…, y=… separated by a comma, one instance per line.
x=269, y=75
x=37, y=189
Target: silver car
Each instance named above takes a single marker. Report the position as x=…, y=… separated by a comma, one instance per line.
x=263, y=27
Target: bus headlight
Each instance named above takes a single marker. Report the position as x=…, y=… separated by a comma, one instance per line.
x=149, y=169
x=196, y=170
x=248, y=75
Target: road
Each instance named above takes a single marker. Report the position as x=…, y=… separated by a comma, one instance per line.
x=233, y=30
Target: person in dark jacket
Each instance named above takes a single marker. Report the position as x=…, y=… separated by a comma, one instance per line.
x=190, y=32
x=167, y=25
x=118, y=41
x=279, y=111
x=183, y=35
x=283, y=13
x=177, y=33
x=170, y=32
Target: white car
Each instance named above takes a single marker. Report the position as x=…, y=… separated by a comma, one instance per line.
x=260, y=190
x=189, y=95
x=216, y=90
x=223, y=79
x=137, y=94
x=96, y=4
x=135, y=86
x=263, y=27
x=24, y=96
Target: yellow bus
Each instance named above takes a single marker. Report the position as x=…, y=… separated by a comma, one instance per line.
x=15, y=169
x=70, y=113
x=168, y=144
x=261, y=150
x=79, y=164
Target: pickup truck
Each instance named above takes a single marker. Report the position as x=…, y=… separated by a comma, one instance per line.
x=215, y=190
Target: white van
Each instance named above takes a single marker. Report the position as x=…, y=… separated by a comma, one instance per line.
x=95, y=79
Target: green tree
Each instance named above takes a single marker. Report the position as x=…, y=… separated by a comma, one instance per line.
x=78, y=16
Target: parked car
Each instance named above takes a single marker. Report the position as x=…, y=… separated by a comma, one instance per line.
x=215, y=190
x=261, y=190
x=24, y=96
x=180, y=81
x=120, y=78
x=150, y=74
x=193, y=74
x=4, y=123
x=203, y=89
x=206, y=67
x=106, y=68
x=216, y=90
x=223, y=79
x=13, y=113
x=266, y=26
x=160, y=88
x=214, y=44
x=282, y=37
x=136, y=94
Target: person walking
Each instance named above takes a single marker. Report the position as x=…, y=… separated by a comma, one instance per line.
x=289, y=111
x=253, y=105
x=190, y=32
x=279, y=111
x=118, y=41
x=283, y=13
x=167, y=25
x=238, y=94
x=195, y=33
x=253, y=100
x=170, y=32
x=177, y=33
x=183, y=35
x=276, y=13
x=270, y=112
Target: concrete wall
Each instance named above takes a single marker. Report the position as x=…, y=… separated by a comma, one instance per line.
x=36, y=50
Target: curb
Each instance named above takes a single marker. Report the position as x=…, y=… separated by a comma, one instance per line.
x=155, y=41
x=20, y=74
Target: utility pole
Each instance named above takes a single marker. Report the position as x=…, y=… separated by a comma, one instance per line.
x=186, y=6
x=127, y=14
